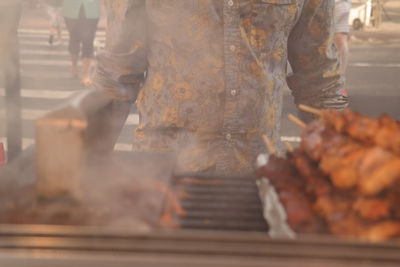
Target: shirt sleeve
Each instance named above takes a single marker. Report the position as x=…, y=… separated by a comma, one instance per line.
x=122, y=64
x=316, y=79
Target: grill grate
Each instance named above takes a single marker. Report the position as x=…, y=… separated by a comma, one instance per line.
x=218, y=203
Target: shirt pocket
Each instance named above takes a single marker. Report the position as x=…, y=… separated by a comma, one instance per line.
x=282, y=13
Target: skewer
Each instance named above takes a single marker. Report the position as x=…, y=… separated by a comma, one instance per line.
x=311, y=110
x=289, y=146
x=297, y=121
x=268, y=143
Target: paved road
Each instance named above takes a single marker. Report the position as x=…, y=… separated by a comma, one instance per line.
x=373, y=83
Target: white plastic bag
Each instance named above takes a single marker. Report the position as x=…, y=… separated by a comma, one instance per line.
x=273, y=211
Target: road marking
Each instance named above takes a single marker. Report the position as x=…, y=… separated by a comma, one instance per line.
x=34, y=114
x=35, y=43
x=44, y=94
x=123, y=147
x=43, y=40
x=48, y=74
x=295, y=139
x=375, y=65
x=27, y=142
x=46, y=36
x=46, y=31
x=44, y=52
x=133, y=119
x=44, y=62
x=43, y=43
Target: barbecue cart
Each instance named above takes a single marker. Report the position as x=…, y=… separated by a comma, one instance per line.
x=147, y=215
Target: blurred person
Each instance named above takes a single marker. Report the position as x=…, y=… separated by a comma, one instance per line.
x=10, y=12
x=54, y=11
x=81, y=19
x=342, y=29
x=209, y=76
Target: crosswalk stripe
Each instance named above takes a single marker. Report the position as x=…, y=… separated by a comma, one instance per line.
x=375, y=65
x=46, y=31
x=34, y=114
x=49, y=74
x=44, y=62
x=133, y=119
x=44, y=40
x=46, y=36
x=44, y=52
x=44, y=43
x=44, y=94
x=38, y=42
x=294, y=139
x=27, y=142
x=123, y=147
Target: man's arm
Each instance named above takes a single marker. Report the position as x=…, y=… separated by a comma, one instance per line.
x=316, y=79
x=122, y=64
x=120, y=70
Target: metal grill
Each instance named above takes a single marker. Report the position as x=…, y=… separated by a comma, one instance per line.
x=44, y=246
x=209, y=202
x=218, y=203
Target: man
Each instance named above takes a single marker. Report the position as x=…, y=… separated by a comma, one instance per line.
x=209, y=75
x=341, y=19
x=81, y=19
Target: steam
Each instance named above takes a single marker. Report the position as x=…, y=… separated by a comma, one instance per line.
x=121, y=190
x=125, y=190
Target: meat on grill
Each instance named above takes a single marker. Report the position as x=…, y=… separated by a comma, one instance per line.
x=348, y=162
x=349, y=169
x=372, y=209
x=315, y=182
x=290, y=189
x=383, y=132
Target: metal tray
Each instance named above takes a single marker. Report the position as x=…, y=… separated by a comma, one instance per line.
x=76, y=246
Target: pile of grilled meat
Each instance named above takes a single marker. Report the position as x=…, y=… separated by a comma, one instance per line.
x=343, y=179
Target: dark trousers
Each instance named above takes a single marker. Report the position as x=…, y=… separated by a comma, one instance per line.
x=9, y=65
x=82, y=31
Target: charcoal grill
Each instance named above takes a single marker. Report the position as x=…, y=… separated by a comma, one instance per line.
x=215, y=202
x=221, y=225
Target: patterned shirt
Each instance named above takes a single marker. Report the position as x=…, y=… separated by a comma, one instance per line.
x=209, y=75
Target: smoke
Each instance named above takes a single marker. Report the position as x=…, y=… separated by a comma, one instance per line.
x=123, y=190
x=128, y=189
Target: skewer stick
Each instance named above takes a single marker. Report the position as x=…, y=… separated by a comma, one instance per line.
x=268, y=143
x=289, y=146
x=297, y=121
x=311, y=110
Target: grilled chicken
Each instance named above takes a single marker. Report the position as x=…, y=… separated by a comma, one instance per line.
x=346, y=176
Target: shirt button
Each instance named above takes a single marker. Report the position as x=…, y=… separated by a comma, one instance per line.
x=232, y=48
x=230, y=3
x=233, y=92
x=228, y=136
